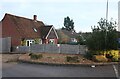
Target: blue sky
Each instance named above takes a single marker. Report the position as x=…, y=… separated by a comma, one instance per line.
x=85, y=13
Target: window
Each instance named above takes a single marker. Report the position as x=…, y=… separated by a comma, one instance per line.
x=40, y=41
x=29, y=42
x=73, y=40
x=35, y=29
x=51, y=41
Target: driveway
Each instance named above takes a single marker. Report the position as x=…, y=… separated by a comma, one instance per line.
x=35, y=70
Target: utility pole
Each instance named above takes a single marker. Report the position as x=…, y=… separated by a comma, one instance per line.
x=107, y=11
x=106, y=25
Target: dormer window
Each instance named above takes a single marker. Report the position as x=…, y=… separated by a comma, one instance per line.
x=35, y=29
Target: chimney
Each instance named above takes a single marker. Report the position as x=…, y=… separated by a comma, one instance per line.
x=35, y=17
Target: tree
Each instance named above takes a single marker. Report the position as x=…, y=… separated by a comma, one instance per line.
x=68, y=24
x=104, y=36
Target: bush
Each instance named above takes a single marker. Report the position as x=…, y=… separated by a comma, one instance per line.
x=35, y=56
x=100, y=58
x=89, y=55
x=109, y=56
x=72, y=59
x=30, y=54
x=112, y=55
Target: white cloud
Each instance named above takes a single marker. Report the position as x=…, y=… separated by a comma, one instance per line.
x=59, y=1
x=84, y=14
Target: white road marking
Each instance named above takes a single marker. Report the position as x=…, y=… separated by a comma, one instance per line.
x=116, y=71
x=92, y=66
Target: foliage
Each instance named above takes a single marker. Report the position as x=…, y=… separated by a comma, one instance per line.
x=119, y=45
x=81, y=41
x=90, y=54
x=100, y=58
x=82, y=38
x=37, y=41
x=112, y=55
x=35, y=56
x=68, y=24
x=118, y=42
x=72, y=43
x=23, y=42
x=72, y=59
x=103, y=37
x=63, y=39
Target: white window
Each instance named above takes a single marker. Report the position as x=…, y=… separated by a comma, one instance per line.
x=73, y=40
x=29, y=42
x=35, y=29
x=51, y=41
x=40, y=41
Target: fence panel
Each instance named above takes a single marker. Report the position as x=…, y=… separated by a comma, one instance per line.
x=5, y=45
x=22, y=49
x=82, y=49
x=37, y=48
x=69, y=49
x=49, y=48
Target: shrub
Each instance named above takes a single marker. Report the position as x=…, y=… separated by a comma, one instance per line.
x=35, y=56
x=100, y=58
x=113, y=55
x=88, y=55
x=30, y=54
x=109, y=56
x=72, y=59
x=23, y=42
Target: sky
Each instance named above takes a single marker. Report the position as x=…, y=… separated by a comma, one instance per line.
x=85, y=13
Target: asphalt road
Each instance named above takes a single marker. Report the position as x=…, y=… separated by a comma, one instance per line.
x=35, y=70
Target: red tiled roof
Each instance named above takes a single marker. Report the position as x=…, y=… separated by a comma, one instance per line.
x=26, y=26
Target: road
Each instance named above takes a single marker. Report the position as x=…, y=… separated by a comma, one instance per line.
x=35, y=70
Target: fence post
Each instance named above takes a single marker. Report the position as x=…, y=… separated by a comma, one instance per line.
x=9, y=44
x=58, y=45
x=43, y=47
x=79, y=49
x=29, y=49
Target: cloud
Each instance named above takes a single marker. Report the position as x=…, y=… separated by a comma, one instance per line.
x=59, y=1
x=53, y=11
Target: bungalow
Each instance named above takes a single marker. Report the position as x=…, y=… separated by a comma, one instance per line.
x=67, y=36
x=24, y=31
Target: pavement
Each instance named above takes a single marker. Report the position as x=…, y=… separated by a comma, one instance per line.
x=14, y=69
